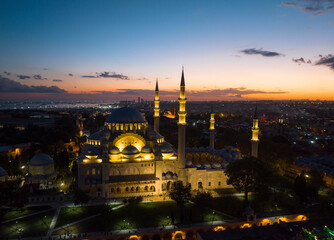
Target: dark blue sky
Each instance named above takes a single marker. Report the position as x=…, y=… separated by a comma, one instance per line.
x=149, y=39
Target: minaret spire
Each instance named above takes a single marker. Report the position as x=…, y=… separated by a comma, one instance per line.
x=255, y=134
x=156, y=107
x=182, y=125
x=212, y=129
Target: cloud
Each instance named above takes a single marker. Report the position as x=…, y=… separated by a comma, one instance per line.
x=143, y=78
x=113, y=75
x=22, y=77
x=7, y=73
x=88, y=76
x=38, y=77
x=316, y=7
x=108, y=75
x=326, y=61
x=57, y=80
x=253, y=51
x=70, y=74
x=11, y=86
x=298, y=60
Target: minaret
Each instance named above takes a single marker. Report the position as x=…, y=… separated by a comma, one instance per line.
x=156, y=108
x=255, y=134
x=212, y=130
x=182, y=124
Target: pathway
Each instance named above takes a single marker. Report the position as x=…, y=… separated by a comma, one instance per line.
x=28, y=215
x=53, y=222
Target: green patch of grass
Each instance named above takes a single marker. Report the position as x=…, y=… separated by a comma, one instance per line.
x=13, y=213
x=72, y=214
x=144, y=215
x=33, y=226
x=226, y=191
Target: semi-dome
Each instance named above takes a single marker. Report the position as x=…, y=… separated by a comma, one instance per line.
x=126, y=115
x=41, y=159
x=130, y=150
x=146, y=149
x=114, y=150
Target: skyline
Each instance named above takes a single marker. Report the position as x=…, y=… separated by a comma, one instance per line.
x=110, y=50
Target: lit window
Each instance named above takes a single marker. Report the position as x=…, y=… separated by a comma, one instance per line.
x=93, y=171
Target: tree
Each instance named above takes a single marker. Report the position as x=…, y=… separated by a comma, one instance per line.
x=80, y=197
x=180, y=194
x=247, y=174
x=202, y=199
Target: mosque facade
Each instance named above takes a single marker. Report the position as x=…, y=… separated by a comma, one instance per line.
x=128, y=158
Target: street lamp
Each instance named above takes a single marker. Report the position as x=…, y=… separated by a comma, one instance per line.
x=213, y=216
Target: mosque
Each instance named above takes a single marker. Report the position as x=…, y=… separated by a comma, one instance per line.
x=128, y=158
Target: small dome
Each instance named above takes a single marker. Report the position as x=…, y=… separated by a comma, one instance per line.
x=92, y=150
x=198, y=165
x=41, y=159
x=207, y=166
x=114, y=150
x=189, y=163
x=3, y=172
x=216, y=165
x=175, y=176
x=130, y=150
x=126, y=115
x=166, y=148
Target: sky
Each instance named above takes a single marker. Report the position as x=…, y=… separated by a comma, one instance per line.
x=115, y=50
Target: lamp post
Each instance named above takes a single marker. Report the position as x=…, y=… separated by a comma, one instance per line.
x=213, y=216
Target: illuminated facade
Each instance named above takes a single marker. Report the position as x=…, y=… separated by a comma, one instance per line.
x=128, y=158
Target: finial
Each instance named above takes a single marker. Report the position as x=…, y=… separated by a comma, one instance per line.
x=182, y=78
x=255, y=114
x=156, y=85
x=211, y=108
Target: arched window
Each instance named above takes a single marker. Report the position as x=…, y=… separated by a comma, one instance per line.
x=137, y=189
x=126, y=189
x=152, y=188
x=93, y=171
x=132, y=189
x=118, y=190
x=146, y=188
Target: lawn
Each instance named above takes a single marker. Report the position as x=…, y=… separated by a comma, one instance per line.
x=226, y=191
x=143, y=215
x=13, y=213
x=33, y=226
x=233, y=205
x=72, y=214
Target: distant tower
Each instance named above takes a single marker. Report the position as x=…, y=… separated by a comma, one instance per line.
x=255, y=135
x=156, y=108
x=212, y=130
x=182, y=124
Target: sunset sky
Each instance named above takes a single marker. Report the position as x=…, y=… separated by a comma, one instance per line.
x=114, y=50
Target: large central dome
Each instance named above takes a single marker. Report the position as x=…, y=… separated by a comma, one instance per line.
x=126, y=115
